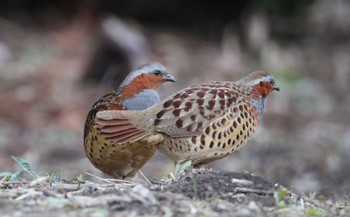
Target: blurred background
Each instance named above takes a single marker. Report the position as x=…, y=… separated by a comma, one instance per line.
x=58, y=57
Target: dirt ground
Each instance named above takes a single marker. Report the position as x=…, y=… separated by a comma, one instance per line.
x=200, y=192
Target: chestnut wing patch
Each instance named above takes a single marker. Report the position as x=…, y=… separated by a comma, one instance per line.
x=116, y=128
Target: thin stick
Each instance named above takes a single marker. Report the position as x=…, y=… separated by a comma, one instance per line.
x=147, y=180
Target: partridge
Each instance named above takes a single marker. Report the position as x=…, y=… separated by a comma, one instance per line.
x=202, y=123
x=136, y=92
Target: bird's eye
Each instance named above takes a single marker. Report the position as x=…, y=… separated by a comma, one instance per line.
x=157, y=72
x=272, y=82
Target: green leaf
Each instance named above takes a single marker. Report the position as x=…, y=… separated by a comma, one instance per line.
x=280, y=194
x=54, y=175
x=184, y=166
x=25, y=165
x=314, y=212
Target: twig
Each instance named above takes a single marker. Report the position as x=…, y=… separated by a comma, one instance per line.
x=147, y=180
x=250, y=190
x=111, y=181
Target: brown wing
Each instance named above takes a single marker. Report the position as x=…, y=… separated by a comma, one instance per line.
x=115, y=126
x=189, y=111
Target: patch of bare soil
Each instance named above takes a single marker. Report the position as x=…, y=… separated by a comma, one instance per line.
x=195, y=193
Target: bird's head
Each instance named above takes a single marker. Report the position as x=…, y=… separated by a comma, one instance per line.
x=148, y=76
x=259, y=82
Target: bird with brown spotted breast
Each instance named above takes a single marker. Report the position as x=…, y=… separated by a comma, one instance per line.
x=136, y=92
x=202, y=123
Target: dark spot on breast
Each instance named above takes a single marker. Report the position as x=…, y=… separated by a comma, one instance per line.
x=246, y=107
x=219, y=135
x=237, y=137
x=231, y=129
x=91, y=150
x=168, y=103
x=246, y=114
x=242, y=115
x=184, y=96
x=229, y=141
x=211, y=103
x=245, y=136
x=157, y=121
x=235, y=110
x=243, y=127
x=207, y=130
x=209, y=108
x=221, y=94
x=177, y=104
x=188, y=105
x=177, y=96
x=161, y=113
x=241, y=132
x=223, y=122
x=224, y=145
x=199, y=125
x=179, y=123
x=189, y=128
x=213, y=91
x=228, y=94
x=241, y=108
x=203, y=139
x=211, y=145
x=189, y=91
x=214, y=135
x=219, y=144
x=201, y=94
x=91, y=155
x=246, y=124
x=193, y=117
x=176, y=112
x=200, y=102
x=234, y=124
x=239, y=120
x=222, y=104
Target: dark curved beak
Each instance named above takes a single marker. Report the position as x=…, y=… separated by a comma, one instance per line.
x=275, y=87
x=168, y=77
